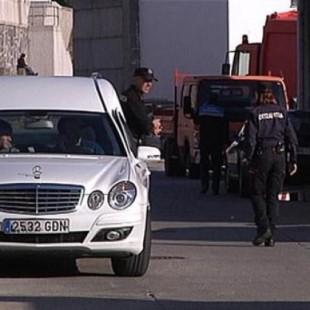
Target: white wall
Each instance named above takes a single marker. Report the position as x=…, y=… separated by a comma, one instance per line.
x=249, y=16
x=50, y=27
x=190, y=35
x=14, y=12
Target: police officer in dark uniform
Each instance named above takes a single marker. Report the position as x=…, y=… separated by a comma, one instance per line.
x=133, y=106
x=213, y=134
x=269, y=135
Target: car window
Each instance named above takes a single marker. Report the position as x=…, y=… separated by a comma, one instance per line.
x=63, y=132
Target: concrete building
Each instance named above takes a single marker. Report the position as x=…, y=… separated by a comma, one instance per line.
x=40, y=29
x=13, y=33
x=115, y=36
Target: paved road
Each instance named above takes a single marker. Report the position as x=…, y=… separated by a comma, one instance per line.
x=202, y=258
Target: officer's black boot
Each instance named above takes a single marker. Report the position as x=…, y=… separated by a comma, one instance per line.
x=262, y=238
x=270, y=241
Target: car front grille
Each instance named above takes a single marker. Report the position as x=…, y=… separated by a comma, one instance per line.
x=39, y=198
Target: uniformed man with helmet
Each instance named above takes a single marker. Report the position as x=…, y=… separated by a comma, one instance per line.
x=269, y=137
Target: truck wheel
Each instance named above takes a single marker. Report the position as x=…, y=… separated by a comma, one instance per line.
x=231, y=184
x=170, y=163
x=135, y=265
x=173, y=166
x=244, y=181
x=194, y=171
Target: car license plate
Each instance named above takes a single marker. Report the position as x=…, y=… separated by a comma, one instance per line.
x=38, y=226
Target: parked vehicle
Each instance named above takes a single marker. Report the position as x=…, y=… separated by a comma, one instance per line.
x=59, y=198
x=236, y=94
x=301, y=123
x=271, y=56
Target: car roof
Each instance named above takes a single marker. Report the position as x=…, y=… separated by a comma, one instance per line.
x=56, y=93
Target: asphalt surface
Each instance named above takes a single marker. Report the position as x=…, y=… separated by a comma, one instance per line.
x=202, y=258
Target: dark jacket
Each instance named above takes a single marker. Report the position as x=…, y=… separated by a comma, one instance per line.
x=268, y=126
x=135, y=112
x=21, y=63
x=213, y=132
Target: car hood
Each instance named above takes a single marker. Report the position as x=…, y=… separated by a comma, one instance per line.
x=85, y=171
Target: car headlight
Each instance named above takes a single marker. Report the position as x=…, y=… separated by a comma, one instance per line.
x=95, y=200
x=122, y=195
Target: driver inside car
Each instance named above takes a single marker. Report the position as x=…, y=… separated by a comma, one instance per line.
x=6, y=139
x=71, y=140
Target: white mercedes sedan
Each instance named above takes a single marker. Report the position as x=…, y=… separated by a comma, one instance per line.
x=72, y=182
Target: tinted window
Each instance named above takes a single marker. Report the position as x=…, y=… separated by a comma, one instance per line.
x=63, y=132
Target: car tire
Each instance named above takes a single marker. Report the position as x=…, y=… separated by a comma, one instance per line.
x=194, y=171
x=135, y=265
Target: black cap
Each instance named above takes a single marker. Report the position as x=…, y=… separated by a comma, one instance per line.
x=5, y=128
x=146, y=73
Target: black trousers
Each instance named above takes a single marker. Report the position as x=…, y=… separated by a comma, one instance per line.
x=211, y=158
x=267, y=178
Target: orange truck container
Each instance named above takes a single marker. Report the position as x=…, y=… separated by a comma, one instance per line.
x=276, y=55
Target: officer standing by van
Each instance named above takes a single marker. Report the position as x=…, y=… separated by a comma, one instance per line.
x=269, y=135
x=213, y=134
x=133, y=106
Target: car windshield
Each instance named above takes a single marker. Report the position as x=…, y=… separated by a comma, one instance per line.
x=58, y=132
x=238, y=93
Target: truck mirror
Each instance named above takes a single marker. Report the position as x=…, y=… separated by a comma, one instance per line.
x=187, y=108
x=226, y=68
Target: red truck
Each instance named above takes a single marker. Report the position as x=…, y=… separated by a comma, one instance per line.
x=276, y=55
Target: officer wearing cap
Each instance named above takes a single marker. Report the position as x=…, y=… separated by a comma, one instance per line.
x=6, y=138
x=269, y=136
x=133, y=106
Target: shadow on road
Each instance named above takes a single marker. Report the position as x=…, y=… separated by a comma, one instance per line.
x=68, y=303
x=226, y=217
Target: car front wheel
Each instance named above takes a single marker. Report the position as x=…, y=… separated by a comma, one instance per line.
x=135, y=265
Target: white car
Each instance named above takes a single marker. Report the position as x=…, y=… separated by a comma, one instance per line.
x=72, y=183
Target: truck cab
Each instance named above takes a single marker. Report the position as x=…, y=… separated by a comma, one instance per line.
x=276, y=55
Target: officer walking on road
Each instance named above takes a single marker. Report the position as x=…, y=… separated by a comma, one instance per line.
x=269, y=135
x=133, y=106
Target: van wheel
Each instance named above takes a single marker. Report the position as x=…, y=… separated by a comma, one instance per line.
x=231, y=184
x=194, y=171
x=173, y=166
x=135, y=265
x=169, y=162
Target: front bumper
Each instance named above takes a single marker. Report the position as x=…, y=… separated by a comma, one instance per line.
x=86, y=236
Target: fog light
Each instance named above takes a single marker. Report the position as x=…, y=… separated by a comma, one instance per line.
x=113, y=235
